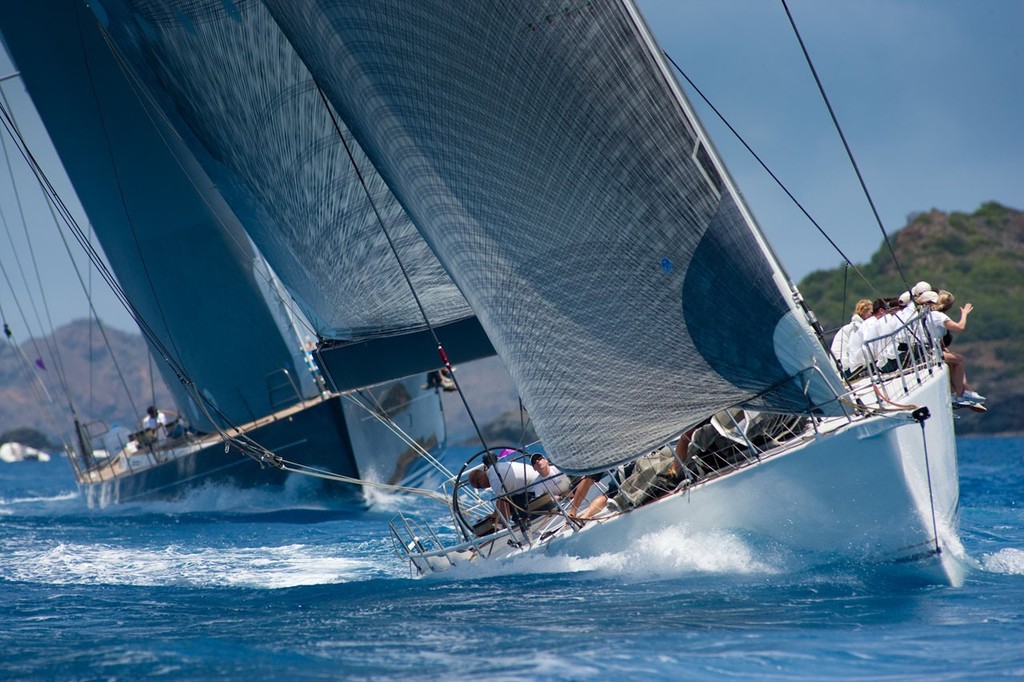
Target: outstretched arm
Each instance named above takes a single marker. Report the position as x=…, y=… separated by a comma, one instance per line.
x=962, y=324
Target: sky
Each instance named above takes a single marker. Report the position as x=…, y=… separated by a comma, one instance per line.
x=929, y=94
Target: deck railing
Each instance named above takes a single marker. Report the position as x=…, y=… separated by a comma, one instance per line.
x=868, y=394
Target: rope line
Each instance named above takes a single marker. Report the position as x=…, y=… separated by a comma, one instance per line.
x=842, y=136
x=305, y=470
x=398, y=259
x=928, y=470
x=382, y=417
x=48, y=340
x=770, y=173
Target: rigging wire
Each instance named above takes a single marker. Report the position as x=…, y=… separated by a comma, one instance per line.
x=48, y=340
x=920, y=415
x=771, y=174
x=65, y=214
x=21, y=312
x=846, y=279
x=849, y=152
x=524, y=422
x=152, y=382
x=38, y=387
x=306, y=470
x=381, y=415
x=87, y=289
x=36, y=384
x=401, y=265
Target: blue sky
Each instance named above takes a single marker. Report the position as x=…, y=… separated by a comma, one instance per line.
x=930, y=95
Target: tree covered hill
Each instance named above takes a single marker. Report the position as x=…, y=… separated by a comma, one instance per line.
x=980, y=258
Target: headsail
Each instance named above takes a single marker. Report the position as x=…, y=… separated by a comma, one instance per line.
x=232, y=86
x=551, y=162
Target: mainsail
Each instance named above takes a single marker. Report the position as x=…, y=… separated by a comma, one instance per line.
x=551, y=161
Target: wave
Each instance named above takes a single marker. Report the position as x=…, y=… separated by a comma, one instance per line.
x=669, y=552
x=7, y=505
x=259, y=567
x=1008, y=561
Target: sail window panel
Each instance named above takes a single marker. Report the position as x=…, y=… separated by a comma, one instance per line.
x=549, y=164
x=708, y=166
x=236, y=90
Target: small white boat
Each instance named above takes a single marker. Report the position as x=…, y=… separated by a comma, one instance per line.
x=19, y=452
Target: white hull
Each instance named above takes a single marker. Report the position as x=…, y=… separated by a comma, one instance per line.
x=860, y=492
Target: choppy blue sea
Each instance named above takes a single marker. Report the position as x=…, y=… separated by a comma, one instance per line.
x=235, y=585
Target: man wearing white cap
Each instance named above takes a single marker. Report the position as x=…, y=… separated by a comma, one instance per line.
x=920, y=288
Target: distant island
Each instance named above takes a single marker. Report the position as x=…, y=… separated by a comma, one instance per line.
x=978, y=256
x=84, y=372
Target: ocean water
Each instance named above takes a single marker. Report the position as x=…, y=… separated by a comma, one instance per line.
x=236, y=585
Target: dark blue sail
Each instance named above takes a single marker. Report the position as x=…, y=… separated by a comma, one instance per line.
x=178, y=251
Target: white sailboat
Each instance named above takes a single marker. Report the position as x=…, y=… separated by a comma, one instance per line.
x=877, y=487
x=552, y=164
x=626, y=285
x=19, y=452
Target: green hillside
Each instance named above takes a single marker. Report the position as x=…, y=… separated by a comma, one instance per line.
x=980, y=258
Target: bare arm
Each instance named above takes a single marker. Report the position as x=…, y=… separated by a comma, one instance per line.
x=503, y=513
x=681, y=449
x=962, y=324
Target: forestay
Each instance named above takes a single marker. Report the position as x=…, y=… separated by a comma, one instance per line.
x=232, y=86
x=553, y=165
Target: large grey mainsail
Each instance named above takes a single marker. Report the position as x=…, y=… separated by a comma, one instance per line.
x=229, y=82
x=550, y=161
